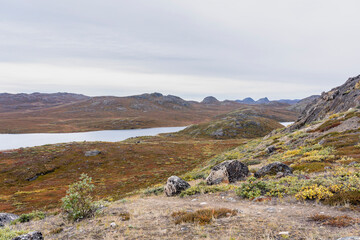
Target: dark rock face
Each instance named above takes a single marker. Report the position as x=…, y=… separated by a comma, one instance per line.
x=175, y=186
x=210, y=100
x=229, y=171
x=92, y=153
x=274, y=169
x=7, y=218
x=337, y=100
x=30, y=236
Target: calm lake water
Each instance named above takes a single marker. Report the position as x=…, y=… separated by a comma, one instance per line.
x=13, y=141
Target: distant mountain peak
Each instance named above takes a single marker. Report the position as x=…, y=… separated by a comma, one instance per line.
x=210, y=100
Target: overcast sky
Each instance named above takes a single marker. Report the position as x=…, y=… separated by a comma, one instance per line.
x=230, y=49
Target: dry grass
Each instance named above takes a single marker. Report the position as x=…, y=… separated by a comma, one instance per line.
x=151, y=219
x=339, y=221
x=202, y=216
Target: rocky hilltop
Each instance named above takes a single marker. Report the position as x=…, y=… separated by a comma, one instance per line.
x=337, y=100
x=34, y=101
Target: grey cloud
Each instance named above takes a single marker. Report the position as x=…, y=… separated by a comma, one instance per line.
x=299, y=42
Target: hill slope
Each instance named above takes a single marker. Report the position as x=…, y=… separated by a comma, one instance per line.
x=108, y=113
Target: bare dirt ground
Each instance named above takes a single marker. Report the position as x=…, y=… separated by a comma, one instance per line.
x=150, y=218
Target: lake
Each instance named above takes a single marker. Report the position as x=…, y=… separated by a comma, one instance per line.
x=286, y=123
x=13, y=141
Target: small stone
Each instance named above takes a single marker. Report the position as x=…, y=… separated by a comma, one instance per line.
x=350, y=238
x=270, y=210
x=113, y=225
x=283, y=233
x=203, y=203
x=230, y=199
x=184, y=229
x=194, y=200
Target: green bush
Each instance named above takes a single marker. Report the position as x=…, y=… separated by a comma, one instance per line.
x=78, y=202
x=30, y=216
x=252, y=188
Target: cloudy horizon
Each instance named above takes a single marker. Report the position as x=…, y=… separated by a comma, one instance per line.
x=228, y=49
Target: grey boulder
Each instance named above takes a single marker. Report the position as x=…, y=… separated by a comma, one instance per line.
x=229, y=171
x=7, y=218
x=30, y=236
x=276, y=168
x=175, y=186
x=92, y=153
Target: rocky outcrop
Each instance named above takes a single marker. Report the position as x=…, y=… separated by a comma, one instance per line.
x=6, y=218
x=239, y=125
x=175, y=186
x=229, y=171
x=210, y=100
x=30, y=236
x=301, y=105
x=337, y=100
x=276, y=168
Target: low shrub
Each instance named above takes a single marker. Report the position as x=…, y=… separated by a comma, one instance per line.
x=202, y=216
x=314, y=192
x=339, y=198
x=252, y=188
x=29, y=217
x=156, y=190
x=202, y=188
x=340, y=221
x=78, y=202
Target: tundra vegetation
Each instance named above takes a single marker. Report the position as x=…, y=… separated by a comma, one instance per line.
x=321, y=193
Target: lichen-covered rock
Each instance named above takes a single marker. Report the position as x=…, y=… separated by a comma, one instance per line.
x=175, y=186
x=229, y=171
x=7, y=218
x=30, y=236
x=276, y=168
